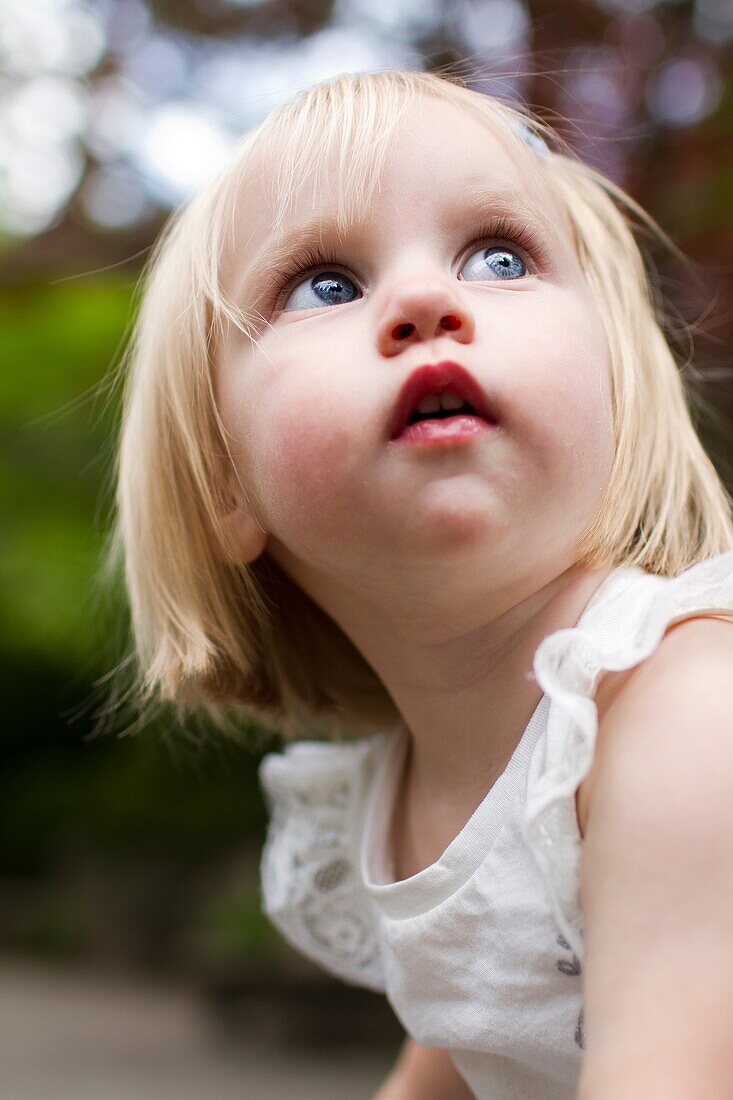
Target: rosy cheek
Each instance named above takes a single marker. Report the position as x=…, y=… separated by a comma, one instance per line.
x=562, y=399
x=303, y=464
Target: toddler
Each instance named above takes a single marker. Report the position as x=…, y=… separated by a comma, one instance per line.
x=408, y=473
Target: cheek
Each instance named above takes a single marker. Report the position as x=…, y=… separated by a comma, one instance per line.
x=295, y=440
x=305, y=458
x=565, y=402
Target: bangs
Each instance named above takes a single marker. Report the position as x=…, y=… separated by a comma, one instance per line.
x=336, y=139
x=338, y=134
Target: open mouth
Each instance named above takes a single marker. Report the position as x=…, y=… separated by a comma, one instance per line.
x=440, y=403
x=440, y=407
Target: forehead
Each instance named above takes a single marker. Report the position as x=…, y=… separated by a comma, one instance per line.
x=308, y=185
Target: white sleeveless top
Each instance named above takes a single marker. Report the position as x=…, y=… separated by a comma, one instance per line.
x=481, y=952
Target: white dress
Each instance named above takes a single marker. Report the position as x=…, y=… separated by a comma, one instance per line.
x=481, y=952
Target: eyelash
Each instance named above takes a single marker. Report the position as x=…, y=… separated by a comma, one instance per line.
x=309, y=260
x=499, y=230
x=503, y=230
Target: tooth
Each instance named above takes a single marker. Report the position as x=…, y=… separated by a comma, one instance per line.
x=450, y=400
x=430, y=403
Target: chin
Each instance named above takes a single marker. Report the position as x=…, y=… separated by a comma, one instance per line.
x=457, y=521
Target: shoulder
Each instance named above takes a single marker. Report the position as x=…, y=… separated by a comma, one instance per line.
x=646, y=667
x=656, y=883
x=687, y=681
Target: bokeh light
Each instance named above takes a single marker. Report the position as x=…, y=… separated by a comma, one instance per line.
x=182, y=146
x=404, y=19
x=684, y=90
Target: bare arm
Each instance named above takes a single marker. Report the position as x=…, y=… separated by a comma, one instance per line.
x=423, y=1073
x=657, y=878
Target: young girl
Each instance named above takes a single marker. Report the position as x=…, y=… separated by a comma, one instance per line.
x=407, y=471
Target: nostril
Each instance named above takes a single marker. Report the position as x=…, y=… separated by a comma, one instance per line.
x=399, y=332
x=450, y=322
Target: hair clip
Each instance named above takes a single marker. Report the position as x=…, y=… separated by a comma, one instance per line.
x=531, y=138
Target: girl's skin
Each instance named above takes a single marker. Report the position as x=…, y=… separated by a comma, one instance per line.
x=448, y=566
x=424, y=1073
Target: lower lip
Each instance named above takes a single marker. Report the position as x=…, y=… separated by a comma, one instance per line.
x=450, y=429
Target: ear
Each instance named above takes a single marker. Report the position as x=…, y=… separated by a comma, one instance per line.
x=247, y=535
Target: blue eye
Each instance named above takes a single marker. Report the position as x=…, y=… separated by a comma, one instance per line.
x=324, y=288
x=492, y=263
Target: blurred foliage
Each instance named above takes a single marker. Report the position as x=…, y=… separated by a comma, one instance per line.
x=68, y=793
x=234, y=927
x=55, y=340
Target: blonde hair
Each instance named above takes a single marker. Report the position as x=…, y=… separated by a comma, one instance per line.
x=240, y=640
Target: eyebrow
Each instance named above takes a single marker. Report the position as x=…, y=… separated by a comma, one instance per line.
x=488, y=200
x=311, y=233
x=475, y=199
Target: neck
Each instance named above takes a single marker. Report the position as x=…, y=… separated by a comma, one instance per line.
x=468, y=695
x=466, y=702
x=458, y=665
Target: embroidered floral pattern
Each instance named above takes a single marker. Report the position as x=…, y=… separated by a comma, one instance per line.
x=311, y=888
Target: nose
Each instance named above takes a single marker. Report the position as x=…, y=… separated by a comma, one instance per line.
x=420, y=310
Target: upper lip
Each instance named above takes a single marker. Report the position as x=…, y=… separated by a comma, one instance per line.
x=435, y=378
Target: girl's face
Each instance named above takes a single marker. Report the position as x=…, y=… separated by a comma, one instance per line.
x=456, y=259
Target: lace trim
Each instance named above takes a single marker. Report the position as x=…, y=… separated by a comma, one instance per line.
x=567, y=665
x=311, y=887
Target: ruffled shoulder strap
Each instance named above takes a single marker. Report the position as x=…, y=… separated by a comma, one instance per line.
x=310, y=882
x=621, y=626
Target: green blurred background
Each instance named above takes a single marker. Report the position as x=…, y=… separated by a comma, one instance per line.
x=138, y=849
